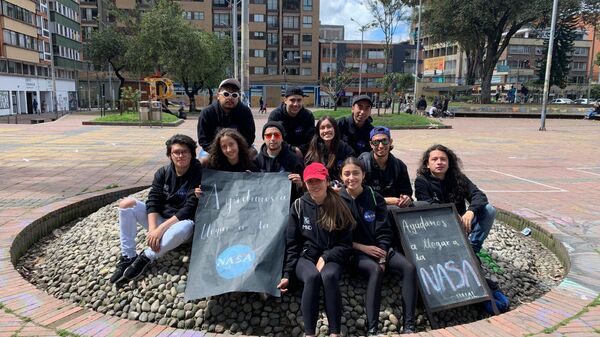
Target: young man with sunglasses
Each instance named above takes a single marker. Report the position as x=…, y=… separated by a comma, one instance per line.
x=385, y=173
x=226, y=112
x=276, y=156
x=355, y=129
x=299, y=122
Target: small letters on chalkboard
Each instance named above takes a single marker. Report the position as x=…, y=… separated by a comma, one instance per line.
x=447, y=270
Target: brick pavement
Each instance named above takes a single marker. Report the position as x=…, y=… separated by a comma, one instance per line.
x=550, y=178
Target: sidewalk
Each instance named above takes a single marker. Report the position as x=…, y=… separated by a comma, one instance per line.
x=551, y=178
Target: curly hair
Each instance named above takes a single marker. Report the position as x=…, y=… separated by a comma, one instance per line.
x=454, y=178
x=318, y=150
x=181, y=140
x=218, y=160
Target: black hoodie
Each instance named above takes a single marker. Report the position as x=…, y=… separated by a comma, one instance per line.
x=435, y=191
x=285, y=161
x=305, y=237
x=357, y=138
x=299, y=130
x=370, y=211
x=213, y=118
x=171, y=195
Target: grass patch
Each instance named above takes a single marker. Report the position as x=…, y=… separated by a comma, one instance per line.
x=134, y=117
x=65, y=333
x=389, y=120
x=108, y=187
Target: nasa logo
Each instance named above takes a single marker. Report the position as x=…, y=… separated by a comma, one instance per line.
x=360, y=144
x=298, y=129
x=235, y=261
x=369, y=216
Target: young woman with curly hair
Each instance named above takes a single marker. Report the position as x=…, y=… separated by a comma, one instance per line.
x=229, y=152
x=440, y=180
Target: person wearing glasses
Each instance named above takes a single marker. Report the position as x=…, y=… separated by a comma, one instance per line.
x=355, y=129
x=226, y=112
x=276, y=156
x=387, y=174
x=299, y=122
x=168, y=214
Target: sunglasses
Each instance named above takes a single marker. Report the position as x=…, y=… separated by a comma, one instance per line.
x=381, y=141
x=274, y=135
x=232, y=94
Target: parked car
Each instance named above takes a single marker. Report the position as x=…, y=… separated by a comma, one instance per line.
x=584, y=101
x=562, y=101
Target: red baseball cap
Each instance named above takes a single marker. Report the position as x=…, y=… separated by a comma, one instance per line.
x=315, y=171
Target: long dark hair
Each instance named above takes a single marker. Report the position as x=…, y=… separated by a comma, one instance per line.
x=334, y=214
x=218, y=160
x=454, y=178
x=318, y=150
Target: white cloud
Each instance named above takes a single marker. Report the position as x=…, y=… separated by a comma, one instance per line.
x=339, y=12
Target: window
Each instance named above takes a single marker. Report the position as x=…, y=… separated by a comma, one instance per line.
x=272, y=21
x=272, y=39
x=519, y=49
x=580, y=51
x=292, y=22
x=17, y=13
x=221, y=19
x=307, y=5
x=20, y=40
x=272, y=5
x=291, y=5
x=306, y=72
x=306, y=56
x=579, y=66
x=187, y=15
x=307, y=22
x=198, y=15
x=290, y=39
x=257, y=35
x=375, y=54
x=272, y=70
x=259, y=70
x=259, y=18
x=258, y=53
x=306, y=39
x=272, y=56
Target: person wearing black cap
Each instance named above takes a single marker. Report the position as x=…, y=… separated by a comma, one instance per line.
x=355, y=129
x=276, y=156
x=387, y=174
x=299, y=122
x=226, y=112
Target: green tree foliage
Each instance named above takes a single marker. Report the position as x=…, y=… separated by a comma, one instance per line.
x=396, y=83
x=564, y=38
x=483, y=28
x=388, y=14
x=161, y=29
x=108, y=46
x=198, y=60
x=130, y=97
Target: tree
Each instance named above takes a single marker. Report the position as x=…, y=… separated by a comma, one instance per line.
x=395, y=84
x=161, y=28
x=564, y=39
x=388, y=14
x=335, y=84
x=492, y=24
x=198, y=60
x=109, y=45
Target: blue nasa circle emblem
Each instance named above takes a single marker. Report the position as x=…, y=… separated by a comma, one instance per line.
x=298, y=129
x=235, y=261
x=360, y=144
x=369, y=216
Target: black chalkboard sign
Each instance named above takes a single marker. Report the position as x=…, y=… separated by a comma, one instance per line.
x=447, y=269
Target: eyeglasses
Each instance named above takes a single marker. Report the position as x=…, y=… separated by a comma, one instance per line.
x=232, y=94
x=180, y=153
x=380, y=141
x=274, y=135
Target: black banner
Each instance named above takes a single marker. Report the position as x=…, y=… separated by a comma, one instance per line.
x=239, y=235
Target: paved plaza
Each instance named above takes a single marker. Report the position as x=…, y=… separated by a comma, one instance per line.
x=551, y=178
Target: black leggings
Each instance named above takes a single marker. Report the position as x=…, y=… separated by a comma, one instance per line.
x=329, y=277
x=399, y=265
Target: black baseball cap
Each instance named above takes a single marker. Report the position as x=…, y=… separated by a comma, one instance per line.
x=358, y=98
x=291, y=91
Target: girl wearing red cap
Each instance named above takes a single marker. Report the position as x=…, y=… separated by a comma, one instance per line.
x=372, y=246
x=319, y=241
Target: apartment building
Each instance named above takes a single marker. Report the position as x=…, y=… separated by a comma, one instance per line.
x=445, y=65
x=26, y=84
x=335, y=55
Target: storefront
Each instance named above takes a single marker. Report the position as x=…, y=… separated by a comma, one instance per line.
x=28, y=95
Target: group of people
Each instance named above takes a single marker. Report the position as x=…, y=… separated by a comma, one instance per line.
x=344, y=180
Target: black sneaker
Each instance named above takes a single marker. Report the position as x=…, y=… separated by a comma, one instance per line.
x=372, y=332
x=136, y=269
x=408, y=328
x=124, y=262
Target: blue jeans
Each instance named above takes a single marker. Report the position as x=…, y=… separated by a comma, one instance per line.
x=177, y=234
x=481, y=226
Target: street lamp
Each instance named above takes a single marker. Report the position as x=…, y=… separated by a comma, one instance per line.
x=362, y=29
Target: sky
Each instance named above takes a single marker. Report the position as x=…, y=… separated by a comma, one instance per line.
x=339, y=12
